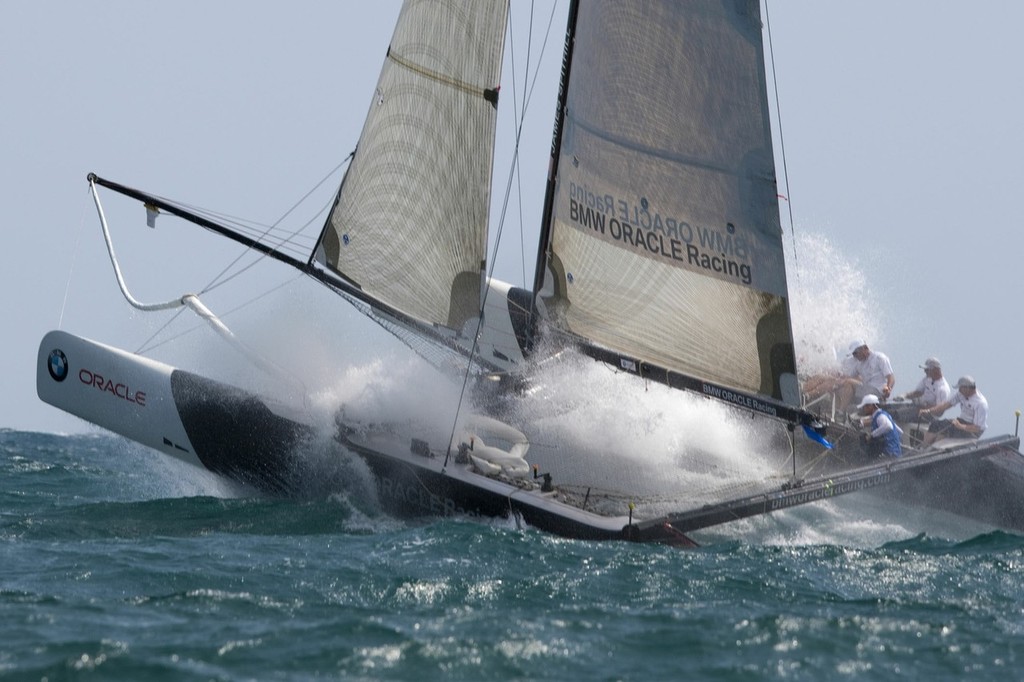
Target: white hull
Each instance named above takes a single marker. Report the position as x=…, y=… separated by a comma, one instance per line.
x=122, y=392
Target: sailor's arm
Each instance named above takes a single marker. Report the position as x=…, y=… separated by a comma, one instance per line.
x=890, y=381
x=884, y=427
x=977, y=426
x=967, y=426
x=938, y=409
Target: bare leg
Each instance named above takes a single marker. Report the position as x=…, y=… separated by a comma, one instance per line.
x=847, y=389
x=819, y=385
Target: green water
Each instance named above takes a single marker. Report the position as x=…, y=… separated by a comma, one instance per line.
x=115, y=564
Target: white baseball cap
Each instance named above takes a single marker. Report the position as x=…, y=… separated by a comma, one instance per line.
x=869, y=399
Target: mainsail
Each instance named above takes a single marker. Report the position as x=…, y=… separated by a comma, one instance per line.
x=409, y=228
x=663, y=242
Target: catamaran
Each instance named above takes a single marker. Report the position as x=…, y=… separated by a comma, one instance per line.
x=660, y=255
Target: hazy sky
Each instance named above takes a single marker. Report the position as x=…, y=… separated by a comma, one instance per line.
x=903, y=147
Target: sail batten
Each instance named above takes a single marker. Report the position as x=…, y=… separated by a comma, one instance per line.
x=409, y=227
x=663, y=240
x=666, y=155
x=485, y=92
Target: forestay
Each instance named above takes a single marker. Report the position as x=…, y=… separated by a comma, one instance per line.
x=664, y=241
x=409, y=225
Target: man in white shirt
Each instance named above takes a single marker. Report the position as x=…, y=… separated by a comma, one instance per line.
x=932, y=390
x=973, y=419
x=869, y=373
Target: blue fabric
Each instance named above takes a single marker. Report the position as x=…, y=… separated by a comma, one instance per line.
x=816, y=437
x=892, y=438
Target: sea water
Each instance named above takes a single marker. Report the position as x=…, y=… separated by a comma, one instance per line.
x=116, y=563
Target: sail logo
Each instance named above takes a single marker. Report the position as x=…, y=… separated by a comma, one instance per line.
x=720, y=254
x=115, y=388
x=739, y=399
x=57, y=364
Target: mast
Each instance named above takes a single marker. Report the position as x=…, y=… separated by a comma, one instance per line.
x=556, y=149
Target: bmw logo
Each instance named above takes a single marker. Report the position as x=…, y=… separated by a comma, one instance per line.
x=58, y=365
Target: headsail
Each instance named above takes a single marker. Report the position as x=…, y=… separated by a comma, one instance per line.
x=410, y=223
x=663, y=241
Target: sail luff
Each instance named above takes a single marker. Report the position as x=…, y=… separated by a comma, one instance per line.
x=556, y=146
x=663, y=241
x=409, y=227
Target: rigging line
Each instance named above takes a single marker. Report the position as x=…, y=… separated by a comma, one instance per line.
x=806, y=469
x=227, y=279
x=782, y=140
x=188, y=331
x=516, y=126
x=814, y=463
x=143, y=346
x=249, y=228
x=213, y=284
x=254, y=230
x=274, y=236
x=473, y=351
x=522, y=233
x=543, y=51
x=497, y=240
x=217, y=216
x=261, y=230
x=522, y=118
x=526, y=101
x=479, y=319
x=513, y=176
x=529, y=52
x=458, y=411
x=317, y=186
x=71, y=269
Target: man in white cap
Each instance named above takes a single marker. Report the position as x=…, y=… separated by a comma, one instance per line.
x=973, y=419
x=868, y=373
x=932, y=390
x=884, y=436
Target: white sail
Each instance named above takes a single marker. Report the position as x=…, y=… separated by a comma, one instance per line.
x=664, y=241
x=410, y=223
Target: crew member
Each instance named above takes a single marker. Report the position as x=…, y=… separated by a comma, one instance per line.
x=869, y=373
x=973, y=419
x=932, y=390
x=884, y=436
